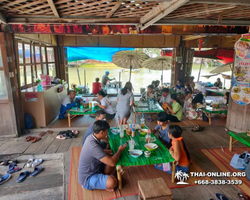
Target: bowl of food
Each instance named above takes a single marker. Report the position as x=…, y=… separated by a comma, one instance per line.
x=236, y=97
x=246, y=90
x=135, y=153
x=236, y=89
x=151, y=146
x=143, y=132
x=128, y=131
x=115, y=131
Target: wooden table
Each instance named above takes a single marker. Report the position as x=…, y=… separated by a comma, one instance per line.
x=143, y=107
x=86, y=111
x=160, y=155
x=241, y=137
x=216, y=111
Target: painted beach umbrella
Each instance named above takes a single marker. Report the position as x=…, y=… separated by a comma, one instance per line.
x=129, y=60
x=223, y=68
x=158, y=63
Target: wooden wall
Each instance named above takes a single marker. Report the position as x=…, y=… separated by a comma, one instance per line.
x=41, y=38
x=138, y=41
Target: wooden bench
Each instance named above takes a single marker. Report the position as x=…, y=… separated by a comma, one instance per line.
x=154, y=189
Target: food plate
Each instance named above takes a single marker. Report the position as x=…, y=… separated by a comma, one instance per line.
x=135, y=153
x=236, y=89
x=245, y=100
x=246, y=90
x=236, y=97
x=151, y=146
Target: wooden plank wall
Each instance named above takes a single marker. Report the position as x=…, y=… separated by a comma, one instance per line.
x=138, y=41
x=41, y=38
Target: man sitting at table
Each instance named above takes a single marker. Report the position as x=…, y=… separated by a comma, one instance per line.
x=99, y=115
x=165, y=98
x=95, y=164
x=218, y=83
x=68, y=103
x=162, y=128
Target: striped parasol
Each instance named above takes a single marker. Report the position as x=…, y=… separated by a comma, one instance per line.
x=158, y=63
x=129, y=60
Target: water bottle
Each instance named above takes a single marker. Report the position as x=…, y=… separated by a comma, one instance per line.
x=142, y=121
x=39, y=87
x=121, y=132
x=81, y=107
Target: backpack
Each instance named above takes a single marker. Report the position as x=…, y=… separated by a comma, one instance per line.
x=29, y=124
x=240, y=161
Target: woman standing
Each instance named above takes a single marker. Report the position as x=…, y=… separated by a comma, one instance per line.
x=105, y=104
x=125, y=101
x=175, y=110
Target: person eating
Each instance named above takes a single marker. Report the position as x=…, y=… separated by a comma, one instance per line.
x=149, y=94
x=162, y=128
x=96, y=166
x=105, y=104
x=68, y=103
x=99, y=115
x=175, y=110
x=218, y=83
x=165, y=98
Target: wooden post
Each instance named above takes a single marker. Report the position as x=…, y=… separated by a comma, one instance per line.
x=231, y=144
x=119, y=176
x=173, y=171
x=209, y=118
x=134, y=117
x=69, y=120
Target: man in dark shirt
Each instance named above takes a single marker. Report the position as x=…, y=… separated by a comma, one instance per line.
x=218, y=83
x=95, y=165
x=99, y=115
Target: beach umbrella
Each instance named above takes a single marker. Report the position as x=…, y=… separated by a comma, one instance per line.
x=158, y=63
x=129, y=60
x=223, y=68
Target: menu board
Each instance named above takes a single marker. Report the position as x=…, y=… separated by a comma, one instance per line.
x=241, y=75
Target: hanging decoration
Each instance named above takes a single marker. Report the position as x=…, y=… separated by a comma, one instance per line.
x=200, y=43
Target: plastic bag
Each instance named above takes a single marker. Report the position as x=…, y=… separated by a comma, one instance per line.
x=240, y=161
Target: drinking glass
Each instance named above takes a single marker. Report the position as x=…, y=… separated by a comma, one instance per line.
x=131, y=145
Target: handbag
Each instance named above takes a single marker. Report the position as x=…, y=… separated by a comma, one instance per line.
x=240, y=161
x=204, y=117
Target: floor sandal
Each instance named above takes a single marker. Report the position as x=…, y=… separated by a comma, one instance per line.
x=7, y=162
x=29, y=138
x=49, y=132
x=197, y=128
x=37, y=162
x=36, y=139
x=41, y=134
x=13, y=170
x=30, y=162
x=75, y=132
x=22, y=176
x=60, y=137
x=243, y=196
x=4, y=178
x=221, y=196
x=37, y=170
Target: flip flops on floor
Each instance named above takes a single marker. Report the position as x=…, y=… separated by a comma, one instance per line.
x=61, y=137
x=32, y=139
x=34, y=162
x=7, y=162
x=197, y=128
x=37, y=170
x=13, y=168
x=22, y=176
x=67, y=134
x=221, y=196
x=4, y=178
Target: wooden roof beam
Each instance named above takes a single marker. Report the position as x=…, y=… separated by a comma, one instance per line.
x=226, y=22
x=53, y=8
x=114, y=9
x=221, y=2
x=159, y=12
x=2, y=18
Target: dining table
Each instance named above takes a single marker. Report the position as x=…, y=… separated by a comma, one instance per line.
x=158, y=156
x=143, y=107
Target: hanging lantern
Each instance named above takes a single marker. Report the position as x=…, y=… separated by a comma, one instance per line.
x=200, y=43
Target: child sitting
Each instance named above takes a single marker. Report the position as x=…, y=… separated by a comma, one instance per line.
x=178, y=150
x=162, y=128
